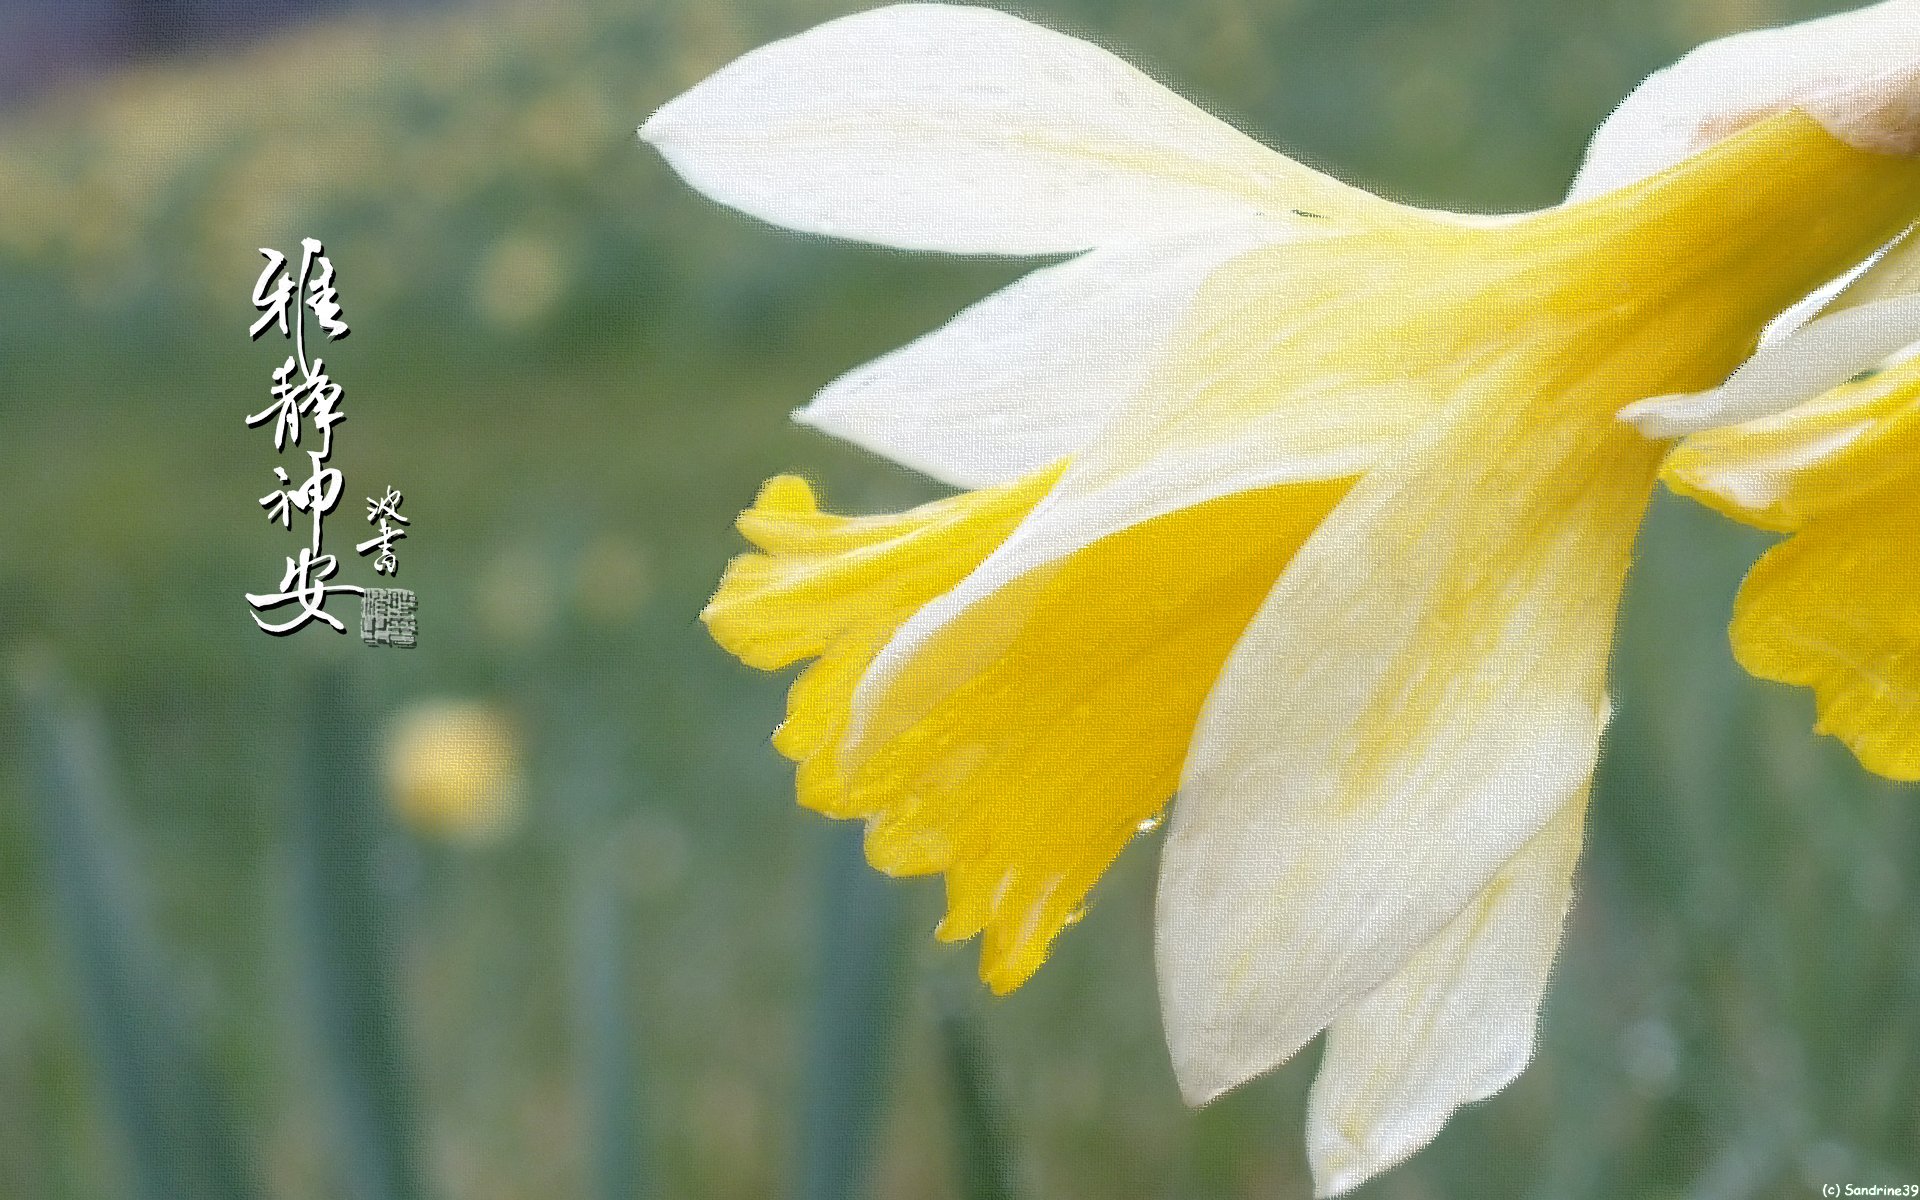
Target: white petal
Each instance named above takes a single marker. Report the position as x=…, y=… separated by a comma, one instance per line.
x=1456, y=1024
x=1858, y=73
x=942, y=127
x=1421, y=692
x=1029, y=375
x=1820, y=356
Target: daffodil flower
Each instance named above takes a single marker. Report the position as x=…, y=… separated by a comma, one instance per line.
x=1309, y=507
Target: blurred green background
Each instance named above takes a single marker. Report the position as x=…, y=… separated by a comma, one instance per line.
x=529, y=911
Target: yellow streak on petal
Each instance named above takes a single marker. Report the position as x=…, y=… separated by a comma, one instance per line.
x=1425, y=688
x=1513, y=523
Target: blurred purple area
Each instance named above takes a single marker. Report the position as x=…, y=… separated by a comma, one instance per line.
x=44, y=43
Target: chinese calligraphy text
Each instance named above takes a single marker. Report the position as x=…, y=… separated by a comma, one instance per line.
x=303, y=409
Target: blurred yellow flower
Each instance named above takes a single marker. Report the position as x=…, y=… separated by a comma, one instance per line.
x=1310, y=507
x=453, y=769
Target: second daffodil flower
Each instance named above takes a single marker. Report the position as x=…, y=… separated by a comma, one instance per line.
x=1310, y=508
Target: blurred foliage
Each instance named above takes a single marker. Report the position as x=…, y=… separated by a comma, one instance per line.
x=578, y=371
x=176, y=1127
x=343, y=938
x=856, y=1010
